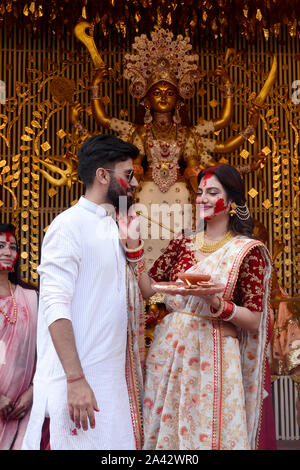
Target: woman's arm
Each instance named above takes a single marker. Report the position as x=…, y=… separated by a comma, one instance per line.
x=244, y=318
x=249, y=292
x=161, y=269
x=145, y=285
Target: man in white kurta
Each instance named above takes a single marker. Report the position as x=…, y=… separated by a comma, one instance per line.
x=83, y=285
x=83, y=279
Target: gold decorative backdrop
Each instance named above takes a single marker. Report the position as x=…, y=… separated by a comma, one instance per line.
x=35, y=130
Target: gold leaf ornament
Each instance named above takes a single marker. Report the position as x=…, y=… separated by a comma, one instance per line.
x=5, y=121
x=26, y=138
x=36, y=124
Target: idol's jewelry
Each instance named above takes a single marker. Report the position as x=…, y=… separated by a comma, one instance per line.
x=246, y=133
x=177, y=117
x=148, y=116
x=163, y=57
x=80, y=128
x=212, y=247
x=14, y=319
x=95, y=92
x=228, y=90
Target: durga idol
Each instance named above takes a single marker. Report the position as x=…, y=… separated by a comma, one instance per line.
x=162, y=73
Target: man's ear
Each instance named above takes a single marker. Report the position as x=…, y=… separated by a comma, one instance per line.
x=102, y=176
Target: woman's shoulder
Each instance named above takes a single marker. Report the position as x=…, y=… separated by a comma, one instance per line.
x=31, y=295
x=28, y=290
x=252, y=247
x=251, y=240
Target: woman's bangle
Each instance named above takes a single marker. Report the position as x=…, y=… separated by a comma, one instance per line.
x=226, y=311
x=230, y=312
x=216, y=313
x=69, y=381
x=136, y=254
x=135, y=260
x=134, y=250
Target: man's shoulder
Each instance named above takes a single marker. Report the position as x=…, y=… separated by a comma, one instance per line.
x=67, y=221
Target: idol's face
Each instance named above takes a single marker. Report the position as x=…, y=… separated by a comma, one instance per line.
x=8, y=251
x=122, y=183
x=211, y=198
x=162, y=97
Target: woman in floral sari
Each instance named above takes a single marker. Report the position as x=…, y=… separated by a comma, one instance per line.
x=18, y=318
x=204, y=386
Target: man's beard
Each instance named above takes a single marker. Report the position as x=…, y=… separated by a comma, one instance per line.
x=115, y=192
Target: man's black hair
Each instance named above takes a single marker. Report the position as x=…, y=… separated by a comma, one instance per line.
x=102, y=151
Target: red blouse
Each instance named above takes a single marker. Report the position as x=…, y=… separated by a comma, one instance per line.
x=249, y=290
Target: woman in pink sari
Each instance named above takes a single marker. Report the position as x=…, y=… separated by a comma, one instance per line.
x=18, y=319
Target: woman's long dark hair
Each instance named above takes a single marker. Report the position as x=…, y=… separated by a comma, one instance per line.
x=233, y=184
x=14, y=276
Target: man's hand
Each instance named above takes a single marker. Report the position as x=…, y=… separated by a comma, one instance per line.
x=82, y=404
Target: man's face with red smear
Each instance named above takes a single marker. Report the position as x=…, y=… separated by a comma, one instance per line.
x=211, y=198
x=8, y=251
x=122, y=183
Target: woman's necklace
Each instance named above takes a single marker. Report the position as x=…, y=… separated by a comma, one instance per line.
x=212, y=247
x=11, y=321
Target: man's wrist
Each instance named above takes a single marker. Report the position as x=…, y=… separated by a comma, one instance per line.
x=71, y=379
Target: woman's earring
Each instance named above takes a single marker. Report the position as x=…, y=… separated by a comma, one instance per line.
x=232, y=209
x=177, y=117
x=148, y=115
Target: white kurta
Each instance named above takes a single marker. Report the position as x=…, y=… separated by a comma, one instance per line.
x=82, y=274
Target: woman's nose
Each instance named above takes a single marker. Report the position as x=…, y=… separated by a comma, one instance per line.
x=202, y=199
x=7, y=250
